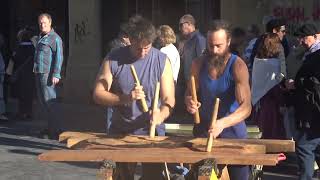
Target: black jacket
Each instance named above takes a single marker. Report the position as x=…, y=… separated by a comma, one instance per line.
x=307, y=95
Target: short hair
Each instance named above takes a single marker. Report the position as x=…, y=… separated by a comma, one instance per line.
x=275, y=24
x=166, y=35
x=269, y=46
x=238, y=32
x=45, y=15
x=123, y=30
x=141, y=29
x=254, y=29
x=219, y=24
x=24, y=35
x=187, y=18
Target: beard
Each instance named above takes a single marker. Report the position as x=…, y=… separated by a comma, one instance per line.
x=217, y=60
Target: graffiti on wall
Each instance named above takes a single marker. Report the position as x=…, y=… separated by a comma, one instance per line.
x=81, y=31
x=296, y=15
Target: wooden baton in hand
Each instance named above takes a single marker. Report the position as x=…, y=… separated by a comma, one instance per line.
x=194, y=98
x=154, y=108
x=136, y=79
x=213, y=122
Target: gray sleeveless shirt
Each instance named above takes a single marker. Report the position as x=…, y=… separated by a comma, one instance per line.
x=129, y=118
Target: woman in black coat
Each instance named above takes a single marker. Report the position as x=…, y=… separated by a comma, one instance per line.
x=23, y=84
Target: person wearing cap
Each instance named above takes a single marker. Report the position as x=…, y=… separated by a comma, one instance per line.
x=194, y=46
x=307, y=99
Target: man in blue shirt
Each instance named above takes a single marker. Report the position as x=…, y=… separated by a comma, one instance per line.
x=47, y=67
x=221, y=74
x=194, y=46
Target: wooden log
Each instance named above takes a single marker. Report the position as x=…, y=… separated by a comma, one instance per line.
x=68, y=134
x=195, y=99
x=158, y=156
x=162, y=142
x=154, y=108
x=213, y=122
x=231, y=149
x=136, y=79
x=270, y=144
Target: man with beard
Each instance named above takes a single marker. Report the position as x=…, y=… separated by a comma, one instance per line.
x=221, y=74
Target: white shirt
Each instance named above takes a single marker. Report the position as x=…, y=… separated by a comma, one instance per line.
x=174, y=57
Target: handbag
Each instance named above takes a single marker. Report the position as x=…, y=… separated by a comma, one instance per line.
x=14, y=76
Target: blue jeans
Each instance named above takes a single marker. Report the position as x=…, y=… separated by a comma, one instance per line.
x=306, y=151
x=46, y=95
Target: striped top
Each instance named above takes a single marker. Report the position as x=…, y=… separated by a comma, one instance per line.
x=48, y=56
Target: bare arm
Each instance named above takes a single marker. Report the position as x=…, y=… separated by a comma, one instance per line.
x=242, y=93
x=166, y=91
x=101, y=92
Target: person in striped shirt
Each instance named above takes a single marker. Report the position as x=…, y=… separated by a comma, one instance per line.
x=47, y=67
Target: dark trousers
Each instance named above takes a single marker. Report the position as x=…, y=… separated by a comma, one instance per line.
x=306, y=154
x=150, y=171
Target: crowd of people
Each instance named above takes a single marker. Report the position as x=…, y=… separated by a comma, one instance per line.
x=270, y=79
x=263, y=78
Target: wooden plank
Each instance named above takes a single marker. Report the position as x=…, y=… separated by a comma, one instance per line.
x=247, y=149
x=158, y=155
x=272, y=145
x=68, y=134
x=128, y=142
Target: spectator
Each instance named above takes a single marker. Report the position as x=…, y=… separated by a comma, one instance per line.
x=2, y=102
x=267, y=96
x=307, y=100
x=23, y=83
x=122, y=39
x=277, y=26
x=194, y=45
x=253, y=31
x=167, y=38
x=238, y=41
x=47, y=67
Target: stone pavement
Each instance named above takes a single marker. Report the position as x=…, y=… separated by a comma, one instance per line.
x=18, y=157
x=19, y=148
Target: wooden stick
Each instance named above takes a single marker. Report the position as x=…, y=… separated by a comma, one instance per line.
x=154, y=108
x=213, y=122
x=195, y=99
x=136, y=79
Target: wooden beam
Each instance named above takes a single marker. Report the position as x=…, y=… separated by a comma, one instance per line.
x=161, y=142
x=158, y=155
x=174, y=141
x=272, y=145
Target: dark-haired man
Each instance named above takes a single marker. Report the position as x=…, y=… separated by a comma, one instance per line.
x=223, y=75
x=151, y=66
